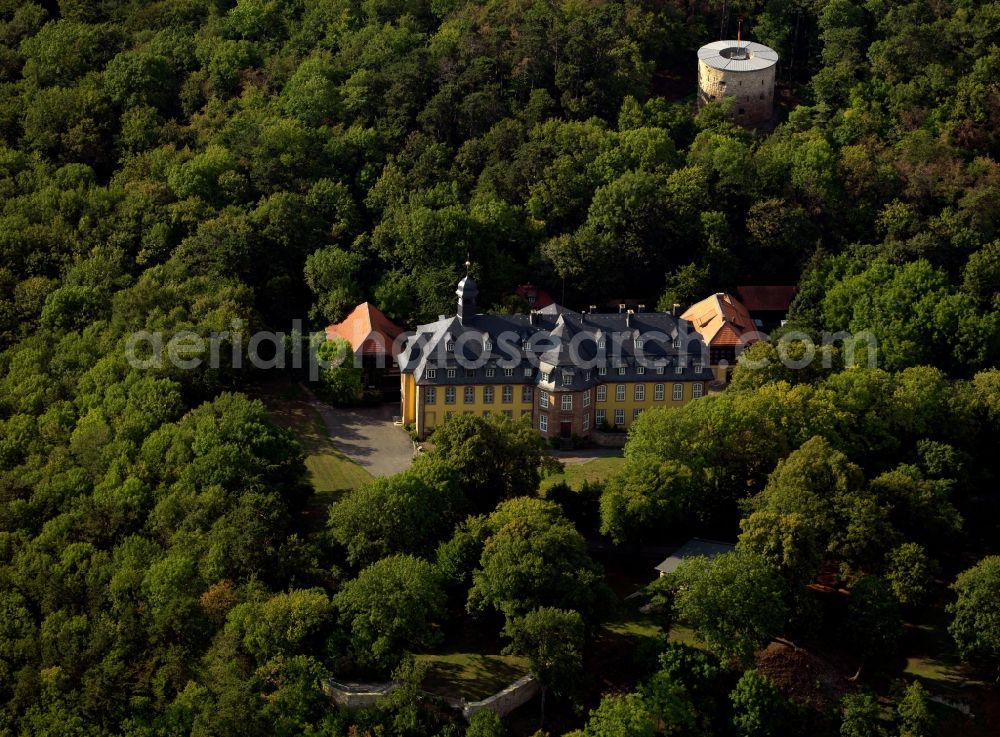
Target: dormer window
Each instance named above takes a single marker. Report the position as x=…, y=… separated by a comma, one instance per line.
x=677, y=342
x=638, y=343
x=451, y=346
x=488, y=344
x=525, y=345
x=567, y=379
x=697, y=368
x=432, y=373
x=602, y=343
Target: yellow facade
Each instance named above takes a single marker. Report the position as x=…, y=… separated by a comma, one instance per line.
x=430, y=414
x=629, y=404
x=408, y=398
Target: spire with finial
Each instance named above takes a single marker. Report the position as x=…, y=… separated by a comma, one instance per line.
x=467, y=292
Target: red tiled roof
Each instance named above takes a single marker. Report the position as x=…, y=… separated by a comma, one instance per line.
x=367, y=329
x=720, y=319
x=537, y=298
x=767, y=298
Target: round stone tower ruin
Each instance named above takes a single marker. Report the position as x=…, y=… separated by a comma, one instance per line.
x=743, y=70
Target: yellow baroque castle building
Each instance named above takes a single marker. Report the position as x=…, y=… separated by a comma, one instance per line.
x=571, y=373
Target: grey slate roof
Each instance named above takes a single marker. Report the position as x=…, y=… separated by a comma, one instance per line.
x=694, y=547
x=758, y=56
x=558, y=343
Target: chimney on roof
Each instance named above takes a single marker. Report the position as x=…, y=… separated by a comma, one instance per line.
x=676, y=310
x=621, y=308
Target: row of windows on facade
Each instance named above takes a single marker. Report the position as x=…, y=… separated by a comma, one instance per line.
x=526, y=344
x=567, y=376
x=638, y=394
x=469, y=394
x=565, y=400
x=600, y=417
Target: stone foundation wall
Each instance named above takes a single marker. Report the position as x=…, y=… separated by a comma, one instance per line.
x=504, y=702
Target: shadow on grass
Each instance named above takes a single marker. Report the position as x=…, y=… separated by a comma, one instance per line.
x=471, y=676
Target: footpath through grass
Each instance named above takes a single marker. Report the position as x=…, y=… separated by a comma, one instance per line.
x=575, y=474
x=331, y=473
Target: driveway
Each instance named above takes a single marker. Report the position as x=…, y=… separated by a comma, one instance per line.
x=367, y=436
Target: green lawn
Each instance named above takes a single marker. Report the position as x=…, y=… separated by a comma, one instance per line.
x=575, y=474
x=472, y=676
x=330, y=472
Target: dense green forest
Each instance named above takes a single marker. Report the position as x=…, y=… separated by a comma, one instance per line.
x=187, y=164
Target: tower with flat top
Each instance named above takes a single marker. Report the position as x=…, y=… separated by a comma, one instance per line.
x=743, y=70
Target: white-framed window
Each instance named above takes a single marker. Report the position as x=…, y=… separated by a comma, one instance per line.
x=640, y=392
x=430, y=395
x=488, y=394
x=599, y=418
x=490, y=373
x=543, y=423
x=678, y=392
x=678, y=369
x=488, y=345
x=508, y=395
x=526, y=394
x=635, y=413
x=697, y=368
x=528, y=371
x=602, y=343
x=543, y=400
x=602, y=370
x=586, y=422
x=508, y=372
x=602, y=393
x=525, y=345
x=451, y=346
x=470, y=395
x=586, y=398
x=677, y=342
x=567, y=379
x=659, y=370
x=566, y=402
x=658, y=392
x=545, y=376
x=619, y=417
x=640, y=370
x=432, y=373
x=620, y=393
x=451, y=373
x=621, y=370
x=449, y=395
x=639, y=343
x=696, y=390
x=586, y=376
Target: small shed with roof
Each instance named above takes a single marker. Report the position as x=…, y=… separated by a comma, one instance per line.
x=694, y=547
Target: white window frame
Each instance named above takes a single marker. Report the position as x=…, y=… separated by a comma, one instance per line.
x=602, y=343
x=599, y=417
x=449, y=395
x=678, y=369
x=602, y=370
x=636, y=412
x=526, y=395
x=566, y=402
x=619, y=392
x=586, y=398
x=430, y=395
x=619, y=418
x=528, y=371
x=658, y=393
x=508, y=372
x=451, y=373
x=640, y=370
x=639, y=393
x=543, y=423
x=469, y=395
x=586, y=422
x=659, y=370
x=697, y=390
x=543, y=400
x=639, y=343
x=490, y=373
x=432, y=373
x=487, y=395
x=451, y=346
x=507, y=396
x=602, y=393
x=678, y=392
x=621, y=370
x=567, y=379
